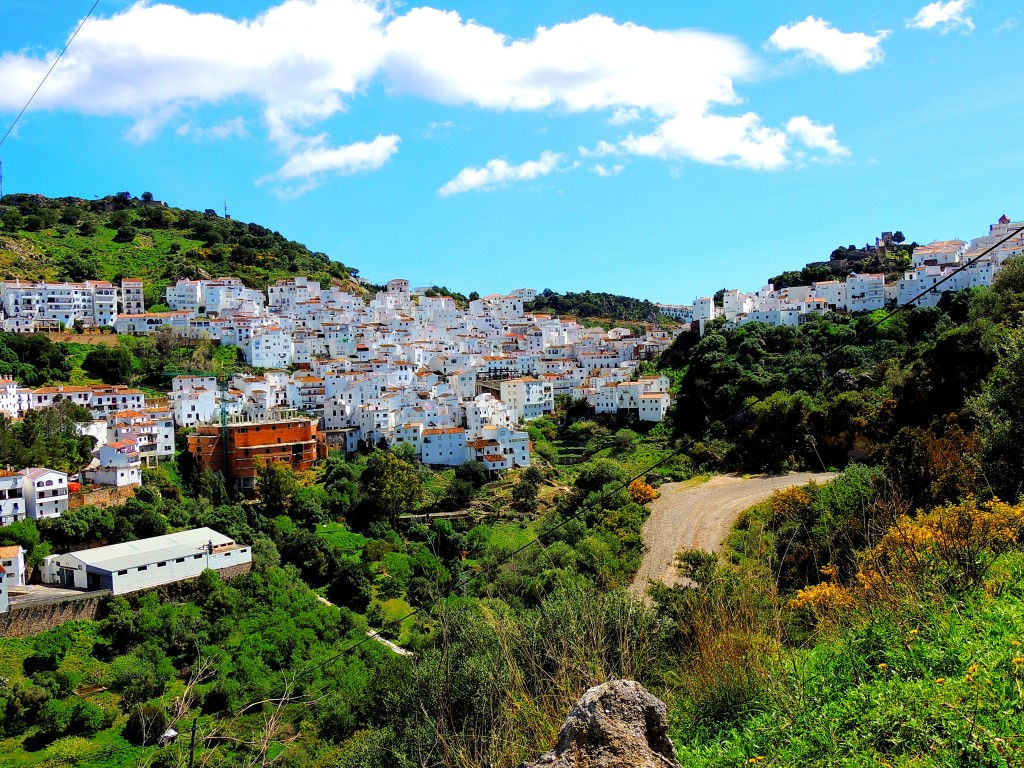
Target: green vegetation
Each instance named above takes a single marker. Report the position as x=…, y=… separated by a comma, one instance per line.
x=876, y=620
x=594, y=305
x=47, y=438
x=32, y=359
x=760, y=398
x=123, y=236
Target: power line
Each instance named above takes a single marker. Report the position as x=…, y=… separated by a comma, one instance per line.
x=47, y=75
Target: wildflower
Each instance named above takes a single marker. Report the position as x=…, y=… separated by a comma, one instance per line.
x=1015, y=642
x=973, y=668
x=760, y=757
x=913, y=632
x=1019, y=660
x=940, y=680
x=752, y=760
x=883, y=665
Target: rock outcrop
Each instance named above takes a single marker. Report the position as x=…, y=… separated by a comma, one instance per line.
x=615, y=725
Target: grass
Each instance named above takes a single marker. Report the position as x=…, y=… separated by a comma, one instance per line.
x=510, y=536
x=436, y=485
x=936, y=684
x=393, y=610
x=340, y=536
x=13, y=652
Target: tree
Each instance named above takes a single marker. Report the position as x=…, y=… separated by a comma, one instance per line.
x=472, y=472
x=999, y=410
x=12, y=220
x=119, y=218
x=390, y=487
x=125, y=234
x=898, y=237
x=276, y=487
x=524, y=496
x=71, y=215
x=459, y=494
x=625, y=440
x=112, y=365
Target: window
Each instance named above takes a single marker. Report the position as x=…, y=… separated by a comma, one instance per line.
x=143, y=567
x=122, y=573
x=196, y=557
x=161, y=565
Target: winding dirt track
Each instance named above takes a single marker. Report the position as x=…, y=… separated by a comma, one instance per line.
x=687, y=516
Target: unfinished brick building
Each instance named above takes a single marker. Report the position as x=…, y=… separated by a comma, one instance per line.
x=291, y=439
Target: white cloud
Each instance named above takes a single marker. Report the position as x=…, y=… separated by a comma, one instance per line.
x=1011, y=23
x=602, y=149
x=499, y=173
x=815, y=136
x=319, y=159
x=229, y=129
x=603, y=170
x=946, y=16
x=739, y=140
x=818, y=40
x=305, y=61
x=623, y=115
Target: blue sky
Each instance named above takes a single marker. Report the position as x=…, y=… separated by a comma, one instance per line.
x=660, y=150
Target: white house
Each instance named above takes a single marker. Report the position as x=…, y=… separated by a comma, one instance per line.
x=120, y=465
x=12, y=497
x=270, y=348
x=46, y=492
x=135, y=565
x=444, y=446
x=12, y=559
x=865, y=292
x=654, y=406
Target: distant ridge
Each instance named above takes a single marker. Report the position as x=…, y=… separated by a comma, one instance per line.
x=118, y=236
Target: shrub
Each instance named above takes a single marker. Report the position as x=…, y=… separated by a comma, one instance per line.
x=642, y=492
x=949, y=549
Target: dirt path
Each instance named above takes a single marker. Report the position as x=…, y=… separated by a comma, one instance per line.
x=373, y=635
x=687, y=516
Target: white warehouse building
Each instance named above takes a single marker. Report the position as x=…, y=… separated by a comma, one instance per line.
x=135, y=565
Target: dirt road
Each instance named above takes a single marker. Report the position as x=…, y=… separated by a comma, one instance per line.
x=687, y=516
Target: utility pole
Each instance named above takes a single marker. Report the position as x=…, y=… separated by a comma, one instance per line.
x=1, y=180
x=192, y=745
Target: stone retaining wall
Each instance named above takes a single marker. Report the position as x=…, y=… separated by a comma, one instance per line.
x=101, y=496
x=29, y=620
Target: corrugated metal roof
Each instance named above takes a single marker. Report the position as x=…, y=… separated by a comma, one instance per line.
x=131, y=554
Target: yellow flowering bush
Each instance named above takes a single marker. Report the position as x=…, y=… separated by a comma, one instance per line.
x=642, y=492
x=950, y=547
x=788, y=503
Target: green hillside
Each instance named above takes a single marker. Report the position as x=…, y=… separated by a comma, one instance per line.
x=123, y=236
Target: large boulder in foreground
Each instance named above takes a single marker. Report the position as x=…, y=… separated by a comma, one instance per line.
x=615, y=725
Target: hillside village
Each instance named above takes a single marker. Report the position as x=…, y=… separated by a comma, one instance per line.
x=336, y=385
x=865, y=292
x=338, y=372
x=403, y=369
